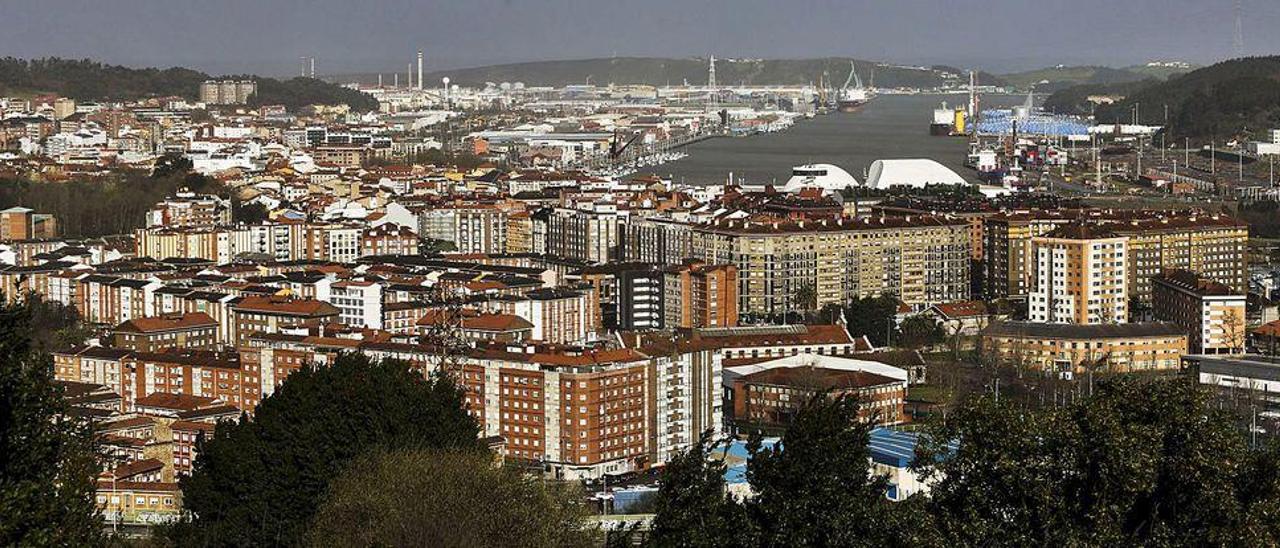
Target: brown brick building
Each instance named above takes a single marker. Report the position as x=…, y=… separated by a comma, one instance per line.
x=700, y=295
x=193, y=330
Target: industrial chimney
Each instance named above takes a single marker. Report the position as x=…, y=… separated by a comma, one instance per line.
x=419, y=69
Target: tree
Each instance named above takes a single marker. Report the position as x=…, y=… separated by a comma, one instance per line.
x=1233, y=330
x=692, y=508
x=259, y=481
x=432, y=246
x=91, y=208
x=47, y=461
x=815, y=488
x=171, y=164
x=250, y=213
x=447, y=498
x=920, y=331
x=873, y=317
x=806, y=297
x=1138, y=463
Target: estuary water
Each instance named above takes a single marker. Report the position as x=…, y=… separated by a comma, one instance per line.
x=890, y=126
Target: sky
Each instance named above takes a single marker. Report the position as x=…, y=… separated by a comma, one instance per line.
x=363, y=36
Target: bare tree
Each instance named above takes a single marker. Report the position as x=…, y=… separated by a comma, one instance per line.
x=1233, y=330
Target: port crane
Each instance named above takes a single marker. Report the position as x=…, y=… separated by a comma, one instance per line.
x=616, y=146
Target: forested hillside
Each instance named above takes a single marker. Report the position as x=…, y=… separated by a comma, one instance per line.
x=86, y=80
x=1223, y=101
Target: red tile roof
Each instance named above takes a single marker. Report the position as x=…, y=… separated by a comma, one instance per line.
x=283, y=306
x=172, y=322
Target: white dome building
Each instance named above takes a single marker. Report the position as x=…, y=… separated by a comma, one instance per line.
x=827, y=177
x=915, y=173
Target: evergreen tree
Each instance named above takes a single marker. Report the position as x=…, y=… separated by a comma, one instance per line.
x=692, y=508
x=47, y=463
x=1139, y=463
x=815, y=488
x=260, y=481
x=873, y=317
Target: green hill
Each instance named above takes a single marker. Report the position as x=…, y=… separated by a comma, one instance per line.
x=1075, y=99
x=1229, y=99
x=1061, y=77
x=663, y=71
x=85, y=80
x=1055, y=78
x=1160, y=71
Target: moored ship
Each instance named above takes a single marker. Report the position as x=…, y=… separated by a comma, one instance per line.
x=850, y=99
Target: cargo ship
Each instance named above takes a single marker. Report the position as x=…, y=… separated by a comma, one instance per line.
x=948, y=122
x=850, y=99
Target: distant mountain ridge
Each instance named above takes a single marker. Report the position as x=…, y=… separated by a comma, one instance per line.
x=660, y=71
x=87, y=80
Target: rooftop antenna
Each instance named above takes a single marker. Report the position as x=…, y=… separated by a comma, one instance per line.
x=1238, y=42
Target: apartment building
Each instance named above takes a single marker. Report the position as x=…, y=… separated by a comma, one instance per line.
x=586, y=233
x=194, y=330
x=581, y=414
x=1210, y=313
x=1080, y=276
x=1211, y=245
x=136, y=375
x=187, y=208
x=919, y=260
x=1008, y=257
x=1076, y=348
x=341, y=243
x=227, y=92
x=388, y=239
x=639, y=299
x=113, y=300
x=559, y=315
x=654, y=240
x=472, y=228
x=17, y=281
x=269, y=314
x=20, y=223
x=163, y=242
x=359, y=303
x=519, y=233
x=700, y=295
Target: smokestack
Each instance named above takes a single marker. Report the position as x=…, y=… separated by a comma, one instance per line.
x=419, y=69
x=313, y=67
x=379, y=80
x=410, y=75
x=395, y=79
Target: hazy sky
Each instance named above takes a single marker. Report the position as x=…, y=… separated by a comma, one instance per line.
x=269, y=36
